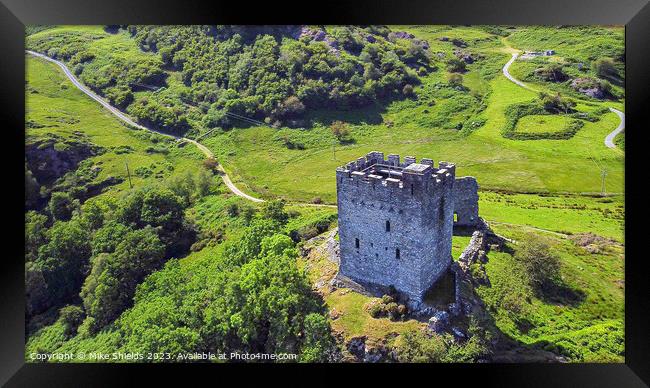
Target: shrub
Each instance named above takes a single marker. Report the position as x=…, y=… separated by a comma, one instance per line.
x=556, y=103
x=517, y=111
x=415, y=346
x=210, y=164
x=541, y=264
x=376, y=310
x=455, y=79
x=551, y=72
x=274, y=210
x=232, y=210
x=456, y=65
x=61, y=206
x=604, y=67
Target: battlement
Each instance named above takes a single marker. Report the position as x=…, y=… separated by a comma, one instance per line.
x=376, y=171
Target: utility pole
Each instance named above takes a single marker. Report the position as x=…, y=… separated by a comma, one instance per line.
x=129, y=174
x=603, y=174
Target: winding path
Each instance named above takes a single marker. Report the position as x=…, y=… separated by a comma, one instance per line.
x=609, y=140
x=506, y=72
x=120, y=115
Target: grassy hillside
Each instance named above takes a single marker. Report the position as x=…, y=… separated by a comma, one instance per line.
x=211, y=283
x=55, y=107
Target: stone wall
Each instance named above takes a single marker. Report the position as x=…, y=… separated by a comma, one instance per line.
x=466, y=201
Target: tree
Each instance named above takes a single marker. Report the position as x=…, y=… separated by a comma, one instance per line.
x=71, y=316
x=274, y=210
x=340, y=130
x=61, y=206
x=32, y=189
x=541, y=264
x=37, y=298
x=35, y=234
x=262, y=307
x=190, y=186
x=106, y=238
x=129, y=209
x=64, y=259
x=110, y=287
x=605, y=67
x=318, y=343
x=290, y=107
x=92, y=215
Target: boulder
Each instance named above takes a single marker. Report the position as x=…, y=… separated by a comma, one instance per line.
x=439, y=322
x=357, y=346
x=458, y=334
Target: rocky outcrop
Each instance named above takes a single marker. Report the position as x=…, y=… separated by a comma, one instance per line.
x=439, y=322
x=52, y=157
x=465, y=56
x=590, y=87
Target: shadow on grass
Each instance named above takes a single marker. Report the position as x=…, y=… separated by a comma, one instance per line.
x=370, y=114
x=559, y=293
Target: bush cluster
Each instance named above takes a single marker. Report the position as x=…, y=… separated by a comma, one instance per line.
x=388, y=307
x=517, y=111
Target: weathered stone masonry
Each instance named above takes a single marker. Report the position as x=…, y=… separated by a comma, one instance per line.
x=395, y=221
x=466, y=201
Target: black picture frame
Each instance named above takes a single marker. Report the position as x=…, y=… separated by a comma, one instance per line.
x=634, y=14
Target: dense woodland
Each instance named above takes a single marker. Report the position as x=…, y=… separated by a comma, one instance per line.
x=273, y=74
x=90, y=262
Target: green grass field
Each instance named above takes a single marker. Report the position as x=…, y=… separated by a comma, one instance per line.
x=541, y=123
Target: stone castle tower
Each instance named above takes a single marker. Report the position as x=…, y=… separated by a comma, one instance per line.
x=395, y=221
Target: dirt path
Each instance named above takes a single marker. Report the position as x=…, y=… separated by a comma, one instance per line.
x=563, y=235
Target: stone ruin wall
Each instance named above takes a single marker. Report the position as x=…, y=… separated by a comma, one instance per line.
x=466, y=202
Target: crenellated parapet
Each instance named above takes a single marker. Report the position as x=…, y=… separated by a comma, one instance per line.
x=378, y=172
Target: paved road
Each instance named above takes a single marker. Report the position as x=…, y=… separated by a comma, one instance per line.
x=608, y=140
x=206, y=151
x=506, y=72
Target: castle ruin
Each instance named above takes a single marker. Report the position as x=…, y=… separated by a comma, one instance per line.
x=396, y=220
x=466, y=202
